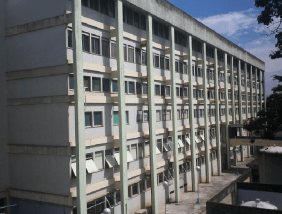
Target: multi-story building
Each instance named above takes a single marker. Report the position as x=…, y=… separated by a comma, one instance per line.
x=193, y=82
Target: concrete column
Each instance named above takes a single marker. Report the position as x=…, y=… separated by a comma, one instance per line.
x=218, y=144
x=246, y=89
x=191, y=117
x=232, y=92
x=240, y=103
x=207, y=139
x=152, y=113
x=174, y=115
x=121, y=107
x=226, y=109
x=252, y=97
x=79, y=108
x=263, y=75
x=256, y=90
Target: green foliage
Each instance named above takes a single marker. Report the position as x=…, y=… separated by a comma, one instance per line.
x=271, y=16
x=268, y=121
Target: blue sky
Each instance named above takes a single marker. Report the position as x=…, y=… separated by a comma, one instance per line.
x=237, y=21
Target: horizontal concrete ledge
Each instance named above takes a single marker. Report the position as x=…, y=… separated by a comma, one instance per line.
x=41, y=197
x=39, y=72
x=258, y=142
x=39, y=150
x=40, y=100
x=39, y=25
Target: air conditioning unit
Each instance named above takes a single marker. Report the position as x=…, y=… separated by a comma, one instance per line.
x=142, y=211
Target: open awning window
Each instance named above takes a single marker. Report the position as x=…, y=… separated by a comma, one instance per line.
x=91, y=166
x=203, y=138
x=187, y=140
x=170, y=144
x=129, y=157
x=116, y=156
x=157, y=150
x=166, y=147
x=110, y=161
x=73, y=167
x=180, y=143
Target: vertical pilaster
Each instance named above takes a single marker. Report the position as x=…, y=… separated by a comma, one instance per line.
x=121, y=107
x=246, y=89
x=174, y=115
x=226, y=109
x=264, y=92
x=79, y=108
x=191, y=116
x=152, y=113
x=256, y=89
x=240, y=103
x=252, y=97
x=232, y=92
x=260, y=88
x=207, y=139
x=218, y=144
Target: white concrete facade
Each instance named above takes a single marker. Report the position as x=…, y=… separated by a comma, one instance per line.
x=36, y=82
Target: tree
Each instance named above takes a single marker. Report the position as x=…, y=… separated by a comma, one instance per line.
x=271, y=17
x=268, y=121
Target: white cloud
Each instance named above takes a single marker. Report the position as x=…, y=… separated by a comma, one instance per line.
x=231, y=23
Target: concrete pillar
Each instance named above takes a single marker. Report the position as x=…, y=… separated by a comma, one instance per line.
x=264, y=93
x=226, y=109
x=191, y=117
x=121, y=107
x=232, y=92
x=207, y=139
x=256, y=90
x=252, y=97
x=246, y=89
x=240, y=104
x=260, y=88
x=152, y=113
x=79, y=108
x=218, y=144
x=174, y=115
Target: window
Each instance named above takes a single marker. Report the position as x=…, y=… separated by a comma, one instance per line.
x=177, y=91
x=178, y=114
x=105, y=47
x=131, y=87
x=138, y=55
x=176, y=66
x=69, y=39
x=84, y=3
x=71, y=81
x=113, y=49
x=162, y=90
x=114, y=86
x=155, y=28
x=160, y=178
x=135, y=189
x=133, y=151
x=129, y=16
x=159, y=145
x=130, y=54
x=104, y=7
x=167, y=90
x=98, y=118
x=143, y=22
x=136, y=19
x=125, y=52
x=147, y=148
x=158, y=115
x=140, y=150
x=88, y=119
x=145, y=89
x=144, y=58
x=125, y=87
x=86, y=82
x=99, y=160
x=168, y=115
x=157, y=90
x=85, y=43
x=185, y=92
x=146, y=116
x=139, y=116
x=112, y=8
x=138, y=88
x=116, y=117
x=156, y=61
x=167, y=63
x=96, y=84
x=95, y=46
x=162, y=62
x=106, y=85
x=94, y=4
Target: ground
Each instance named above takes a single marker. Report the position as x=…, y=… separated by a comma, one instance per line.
x=207, y=191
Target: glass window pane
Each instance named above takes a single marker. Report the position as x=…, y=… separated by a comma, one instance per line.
x=162, y=63
x=94, y=4
x=125, y=87
x=96, y=84
x=129, y=14
x=87, y=118
x=125, y=52
x=133, y=151
x=161, y=30
x=138, y=88
x=156, y=61
x=158, y=115
x=97, y=118
x=131, y=87
x=168, y=115
x=167, y=91
x=127, y=117
x=69, y=39
x=106, y=85
x=86, y=81
x=138, y=55
x=130, y=54
x=114, y=86
x=157, y=90
x=143, y=22
x=99, y=159
x=71, y=81
x=155, y=28
x=104, y=7
x=95, y=45
x=145, y=89
x=146, y=115
x=144, y=58
x=112, y=8
x=140, y=150
x=166, y=63
x=113, y=50
x=84, y=3
x=105, y=48
x=136, y=19
x=115, y=118
x=85, y=43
